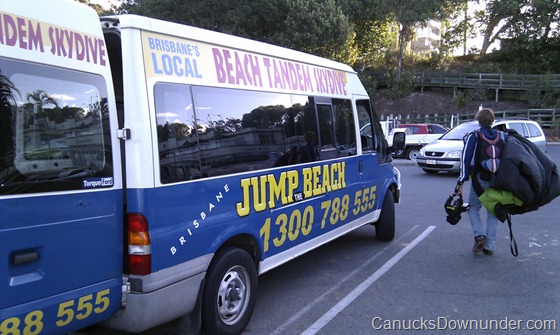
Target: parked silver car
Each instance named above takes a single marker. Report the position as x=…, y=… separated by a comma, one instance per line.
x=445, y=154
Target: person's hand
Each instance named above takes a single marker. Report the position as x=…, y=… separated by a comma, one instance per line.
x=458, y=189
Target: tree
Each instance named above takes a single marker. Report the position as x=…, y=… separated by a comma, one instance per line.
x=528, y=32
x=497, y=18
x=410, y=14
x=39, y=99
x=98, y=8
x=374, y=39
x=457, y=27
x=319, y=27
x=374, y=42
x=7, y=111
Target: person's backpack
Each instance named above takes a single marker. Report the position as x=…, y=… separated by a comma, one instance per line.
x=487, y=155
x=489, y=151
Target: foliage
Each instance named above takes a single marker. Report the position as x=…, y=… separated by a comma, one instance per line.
x=7, y=109
x=523, y=22
x=480, y=93
x=318, y=27
x=99, y=9
x=545, y=97
x=369, y=82
x=374, y=34
x=456, y=28
x=410, y=14
x=403, y=86
x=461, y=99
x=374, y=43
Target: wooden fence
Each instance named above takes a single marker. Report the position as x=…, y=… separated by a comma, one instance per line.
x=498, y=82
x=519, y=82
x=547, y=117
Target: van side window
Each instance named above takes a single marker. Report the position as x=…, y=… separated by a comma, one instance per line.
x=209, y=131
x=327, y=143
x=370, y=129
x=344, y=127
x=59, y=129
x=175, y=133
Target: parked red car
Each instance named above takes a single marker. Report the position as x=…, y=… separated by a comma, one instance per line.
x=417, y=135
x=424, y=128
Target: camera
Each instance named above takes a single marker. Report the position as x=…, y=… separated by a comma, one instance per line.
x=454, y=206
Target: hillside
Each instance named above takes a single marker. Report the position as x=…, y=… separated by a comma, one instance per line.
x=436, y=102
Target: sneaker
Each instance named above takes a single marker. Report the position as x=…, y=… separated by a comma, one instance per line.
x=488, y=252
x=479, y=242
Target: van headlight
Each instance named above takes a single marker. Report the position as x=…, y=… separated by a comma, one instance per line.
x=421, y=152
x=454, y=154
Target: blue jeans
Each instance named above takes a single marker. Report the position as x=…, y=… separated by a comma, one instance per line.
x=474, y=216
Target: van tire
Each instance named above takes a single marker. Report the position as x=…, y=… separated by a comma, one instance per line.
x=385, y=226
x=231, y=275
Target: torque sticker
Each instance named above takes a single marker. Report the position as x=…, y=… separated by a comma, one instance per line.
x=76, y=309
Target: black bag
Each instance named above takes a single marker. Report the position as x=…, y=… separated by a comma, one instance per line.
x=527, y=172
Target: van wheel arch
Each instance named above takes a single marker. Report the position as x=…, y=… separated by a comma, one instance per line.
x=230, y=289
x=385, y=226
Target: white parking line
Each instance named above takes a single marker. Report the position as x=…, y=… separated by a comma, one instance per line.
x=333, y=312
x=336, y=287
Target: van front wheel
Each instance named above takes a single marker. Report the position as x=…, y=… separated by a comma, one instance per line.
x=230, y=292
x=385, y=226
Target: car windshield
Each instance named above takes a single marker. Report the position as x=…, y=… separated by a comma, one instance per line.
x=459, y=132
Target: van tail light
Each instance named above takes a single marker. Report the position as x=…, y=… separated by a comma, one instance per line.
x=139, y=247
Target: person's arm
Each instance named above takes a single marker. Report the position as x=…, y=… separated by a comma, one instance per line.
x=466, y=158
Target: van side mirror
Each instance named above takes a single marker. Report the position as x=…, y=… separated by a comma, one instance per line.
x=399, y=140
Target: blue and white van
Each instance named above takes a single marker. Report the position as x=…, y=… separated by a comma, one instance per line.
x=151, y=170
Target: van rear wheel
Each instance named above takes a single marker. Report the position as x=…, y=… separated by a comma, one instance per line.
x=385, y=226
x=230, y=292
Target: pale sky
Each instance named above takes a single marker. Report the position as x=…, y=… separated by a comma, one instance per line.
x=105, y=3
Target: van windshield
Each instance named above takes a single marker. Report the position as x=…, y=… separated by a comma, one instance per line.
x=458, y=133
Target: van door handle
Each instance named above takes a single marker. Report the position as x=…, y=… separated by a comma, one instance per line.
x=24, y=258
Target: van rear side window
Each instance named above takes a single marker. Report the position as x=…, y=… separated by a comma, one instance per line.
x=206, y=131
x=55, y=131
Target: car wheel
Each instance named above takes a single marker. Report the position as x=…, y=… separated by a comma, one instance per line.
x=430, y=171
x=385, y=226
x=412, y=153
x=230, y=292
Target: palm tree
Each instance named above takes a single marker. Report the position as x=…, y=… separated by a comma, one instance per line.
x=40, y=98
x=7, y=110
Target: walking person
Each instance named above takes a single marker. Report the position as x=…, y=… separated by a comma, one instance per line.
x=480, y=159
